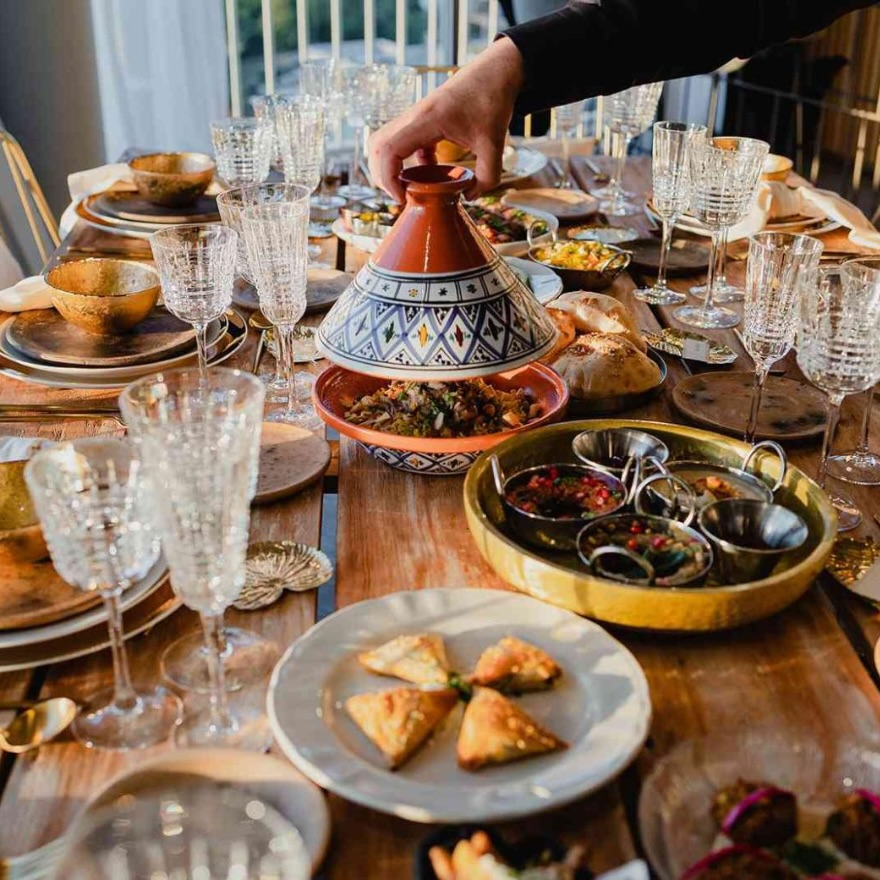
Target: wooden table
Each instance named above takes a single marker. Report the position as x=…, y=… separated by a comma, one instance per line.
x=808, y=671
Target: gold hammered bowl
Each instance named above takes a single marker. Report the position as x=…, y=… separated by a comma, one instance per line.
x=21, y=538
x=172, y=179
x=560, y=579
x=102, y=296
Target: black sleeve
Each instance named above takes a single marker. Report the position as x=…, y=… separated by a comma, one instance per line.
x=597, y=47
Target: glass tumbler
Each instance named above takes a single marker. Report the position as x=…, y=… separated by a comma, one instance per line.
x=243, y=149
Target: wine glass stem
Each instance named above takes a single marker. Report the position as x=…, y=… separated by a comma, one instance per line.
x=212, y=625
x=761, y=370
x=863, y=448
x=713, y=271
x=620, y=161
x=834, y=401
x=354, y=177
x=722, y=257
x=563, y=176
x=665, y=243
x=285, y=352
x=201, y=329
x=124, y=697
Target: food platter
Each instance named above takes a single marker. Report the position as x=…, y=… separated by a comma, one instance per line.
x=579, y=407
x=601, y=707
x=560, y=578
x=16, y=366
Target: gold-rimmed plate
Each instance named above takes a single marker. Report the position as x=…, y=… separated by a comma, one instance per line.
x=130, y=206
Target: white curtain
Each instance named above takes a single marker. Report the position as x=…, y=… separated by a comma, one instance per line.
x=162, y=72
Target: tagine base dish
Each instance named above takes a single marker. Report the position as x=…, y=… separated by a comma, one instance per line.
x=560, y=578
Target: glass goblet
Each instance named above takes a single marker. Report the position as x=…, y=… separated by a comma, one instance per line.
x=91, y=496
x=266, y=107
x=199, y=438
x=276, y=236
x=243, y=149
x=568, y=117
x=780, y=268
x=724, y=177
x=196, y=266
x=671, y=175
x=629, y=113
x=357, y=188
x=837, y=351
x=190, y=832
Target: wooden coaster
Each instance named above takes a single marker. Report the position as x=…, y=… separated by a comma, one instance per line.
x=44, y=335
x=128, y=205
x=790, y=410
x=567, y=205
x=34, y=594
x=685, y=257
x=291, y=459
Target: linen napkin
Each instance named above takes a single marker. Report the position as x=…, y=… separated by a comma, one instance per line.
x=29, y=293
x=835, y=207
x=87, y=183
x=868, y=585
x=20, y=448
x=756, y=219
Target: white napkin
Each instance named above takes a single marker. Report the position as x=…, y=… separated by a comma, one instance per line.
x=29, y=293
x=756, y=219
x=20, y=448
x=87, y=183
x=868, y=585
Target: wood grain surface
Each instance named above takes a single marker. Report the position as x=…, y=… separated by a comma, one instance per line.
x=805, y=673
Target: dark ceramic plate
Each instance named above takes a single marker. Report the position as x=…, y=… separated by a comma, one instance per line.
x=685, y=257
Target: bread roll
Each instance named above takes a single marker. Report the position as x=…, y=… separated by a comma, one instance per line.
x=598, y=313
x=602, y=365
x=565, y=334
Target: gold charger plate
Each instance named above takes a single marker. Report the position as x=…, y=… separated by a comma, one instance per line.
x=561, y=580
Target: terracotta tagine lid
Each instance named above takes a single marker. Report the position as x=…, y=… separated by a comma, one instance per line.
x=436, y=301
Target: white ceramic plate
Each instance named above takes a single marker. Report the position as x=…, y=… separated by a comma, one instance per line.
x=15, y=638
x=544, y=283
x=601, y=706
x=693, y=226
x=267, y=776
x=72, y=377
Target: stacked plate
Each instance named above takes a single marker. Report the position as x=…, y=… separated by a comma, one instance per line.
x=42, y=348
x=77, y=629
x=125, y=212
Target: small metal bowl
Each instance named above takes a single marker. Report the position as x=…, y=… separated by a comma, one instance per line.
x=544, y=531
x=172, y=179
x=601, y=546
x=103, y=296
x=750, y=537
x=21, y=537
x=609, y=449
x=584, y=279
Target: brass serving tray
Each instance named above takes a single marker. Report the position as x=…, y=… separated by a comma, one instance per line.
x=562, y=580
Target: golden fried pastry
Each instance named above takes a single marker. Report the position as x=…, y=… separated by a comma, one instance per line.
x=600, y=313
x=496, y=731
x=400, y=720
x=514, y=667
x=419, y=658
x=565, y=334
x=598, y=365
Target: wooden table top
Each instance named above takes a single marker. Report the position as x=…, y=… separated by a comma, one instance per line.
x=808, y=671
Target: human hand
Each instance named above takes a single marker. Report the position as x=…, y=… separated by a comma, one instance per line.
x=472, y=108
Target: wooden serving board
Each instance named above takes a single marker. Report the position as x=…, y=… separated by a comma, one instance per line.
x=44, y=335
x=34, y=594
x=685, y=257
x=291, y=459
x=129, y=205
x=790, y=410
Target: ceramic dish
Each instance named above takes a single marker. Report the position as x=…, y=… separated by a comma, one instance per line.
x=520, y=163
x=428, y=455
x=605, y=406
x=73, y=377
x=268, y=777
x=560, y=578
x=567, y=205
x=604, y=234
x=614, y=262
x=600, y=706
x=675, y=818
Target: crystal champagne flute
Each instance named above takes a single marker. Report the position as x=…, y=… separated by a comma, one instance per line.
x=243, y=149
x=671, y=174
x=568, y=117
x=724, y=177
x=780, y=268
x=199, y=438
x=837, y=351
x=277, y=236
x=196, y=266
x=266, y=107
x=92, y=498
x=629, y=113
x=356, y=189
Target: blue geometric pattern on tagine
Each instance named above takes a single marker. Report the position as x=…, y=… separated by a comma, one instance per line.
x=434, y=464
x=474, y=321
